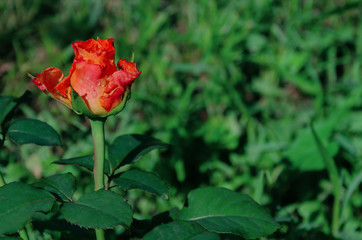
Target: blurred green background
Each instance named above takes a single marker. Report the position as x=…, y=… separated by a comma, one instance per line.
x=232, y=85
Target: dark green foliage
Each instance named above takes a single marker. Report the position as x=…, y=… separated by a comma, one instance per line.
x=19, y=202
x=126, y=149
x=231, y=85
x=101, y=209
x=9, y=238
x=180, y=230
x=147, y=181
x=85, y=161
x=60, y=185
x=6, y=105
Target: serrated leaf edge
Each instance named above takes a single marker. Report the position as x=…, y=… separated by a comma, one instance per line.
x=89, y=227
x=25, y=205
x=53, y=186
x=154, y=193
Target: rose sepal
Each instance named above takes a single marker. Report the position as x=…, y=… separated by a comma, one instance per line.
x=80, y=107
x=122, y=105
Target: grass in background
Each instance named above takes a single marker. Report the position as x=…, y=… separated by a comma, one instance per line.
x=232, y=85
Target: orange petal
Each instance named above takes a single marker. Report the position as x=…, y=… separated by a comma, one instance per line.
x=87, y=82
x=48, y=79
x=63, y=87
x=131, y=71
x=123, y=64
x=112, y=100
x=125, y=79
x=99, y=52
x=118, y=83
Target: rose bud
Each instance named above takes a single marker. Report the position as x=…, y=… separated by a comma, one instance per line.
x=95, y=86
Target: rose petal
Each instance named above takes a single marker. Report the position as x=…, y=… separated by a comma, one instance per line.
x=123, y=64
x=117, y=84
x=112, y=100
x=64, y=86
x=87, y=82
x=48, y=79
x=99, y=52
x=124, y=78
x=93, y=76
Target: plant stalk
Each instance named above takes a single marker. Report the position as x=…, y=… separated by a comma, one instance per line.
x=99, y=153
x=98, y=146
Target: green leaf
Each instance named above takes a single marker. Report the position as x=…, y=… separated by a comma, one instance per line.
x=147, y=181
x=19, y=202
x=129, y=148
x=223, y=211
x=101, y=209
x=61, y=185
x=78, y=104
x=85, y=161
x=180, y=230
x=6, y=105
x=205, y=236
x=33, y=131
x=9, y=238
x=304, y=153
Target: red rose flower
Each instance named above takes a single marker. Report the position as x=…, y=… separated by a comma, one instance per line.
x=93, y=77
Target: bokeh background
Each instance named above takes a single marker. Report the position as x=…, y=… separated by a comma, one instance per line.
x=232, y=85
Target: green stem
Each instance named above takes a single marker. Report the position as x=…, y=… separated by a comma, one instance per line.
x=98, y=146
x=98, y=170
x=23, y=234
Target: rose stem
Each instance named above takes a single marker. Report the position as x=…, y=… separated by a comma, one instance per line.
x=23, y=234
x=98, y=146
x=98, y=170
